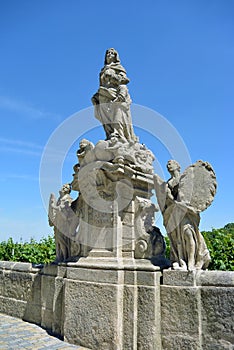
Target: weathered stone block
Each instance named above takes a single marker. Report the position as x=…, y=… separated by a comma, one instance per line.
x=12, y=307
x=217, y=317
x=130, y=317
x=35, y=297
x=130, y=277
x=50, y=270
x=148, y=278
x=32, y=313
x=47, y=292
x=16, y=266
x=33, y=307
x=148, y=318
x=92, y=316
x=18, y=285
x=47, y=318
x=215, y=278
x=179, y=278
x=1, y=282
x=127, y=245
x=58, y=306
x=62, y=271
x=88, y=275
x=180, y=310
x=180, y=342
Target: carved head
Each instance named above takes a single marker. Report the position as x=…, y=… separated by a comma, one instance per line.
x=111, y=56
x=66, y=189
x=85, y=145
x=173, y=165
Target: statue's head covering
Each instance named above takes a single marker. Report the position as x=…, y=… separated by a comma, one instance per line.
x=117, y=60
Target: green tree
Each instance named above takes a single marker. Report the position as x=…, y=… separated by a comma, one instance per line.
x=32, y=251
x=220, y=243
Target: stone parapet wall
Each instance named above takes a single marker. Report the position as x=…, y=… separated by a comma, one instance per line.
x=101, y=304
x=20, y=288
x=197, y=310
x=122, y=306
x=32, y=294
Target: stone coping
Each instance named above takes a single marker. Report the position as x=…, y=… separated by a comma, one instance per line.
x=114, y=264
x=170, y=277
x=198, y=278
x=18, y=266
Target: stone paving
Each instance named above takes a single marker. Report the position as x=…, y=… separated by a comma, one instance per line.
x=16, y=334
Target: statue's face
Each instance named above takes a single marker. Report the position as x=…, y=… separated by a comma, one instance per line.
x=113, y=140
x=65, y=189
x=83, y=144
x=172, y=165
x=110, y=56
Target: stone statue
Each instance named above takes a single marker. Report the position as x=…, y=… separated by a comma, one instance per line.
x=150, y=243
x=112, y=101
x=62, y=218
x=181, y=199
x=113, y=213
x=84, y=151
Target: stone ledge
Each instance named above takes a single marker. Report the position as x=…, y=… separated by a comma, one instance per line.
x=198, y=278
x=215, y=278
x=179, y=278
x=109, y=263
x=18, y=266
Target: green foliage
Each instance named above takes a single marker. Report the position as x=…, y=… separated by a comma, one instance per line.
x=220, y=243
x=167, y=253
x=35, y=252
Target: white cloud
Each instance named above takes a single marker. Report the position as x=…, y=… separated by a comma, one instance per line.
x=25, y=109
x=23, y=177
x=32, y=149
x=19, y=143
x=19, y=146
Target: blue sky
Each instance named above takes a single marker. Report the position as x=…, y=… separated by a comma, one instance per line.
x=178, y=55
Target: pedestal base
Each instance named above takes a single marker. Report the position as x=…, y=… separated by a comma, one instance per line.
x=112, y=304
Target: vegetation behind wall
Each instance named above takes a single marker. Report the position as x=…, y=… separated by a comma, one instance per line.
x=35, y=252
x=220, y=243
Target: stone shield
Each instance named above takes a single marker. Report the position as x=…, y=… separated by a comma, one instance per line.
x=198, y=185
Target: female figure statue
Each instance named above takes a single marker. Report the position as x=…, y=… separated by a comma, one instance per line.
x=181, y=220
x=112, y=101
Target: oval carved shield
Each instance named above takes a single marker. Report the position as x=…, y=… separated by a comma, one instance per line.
x=197, y=185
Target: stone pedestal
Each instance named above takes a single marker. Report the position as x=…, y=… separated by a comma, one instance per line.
x=112, y=304
x=116, y=213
